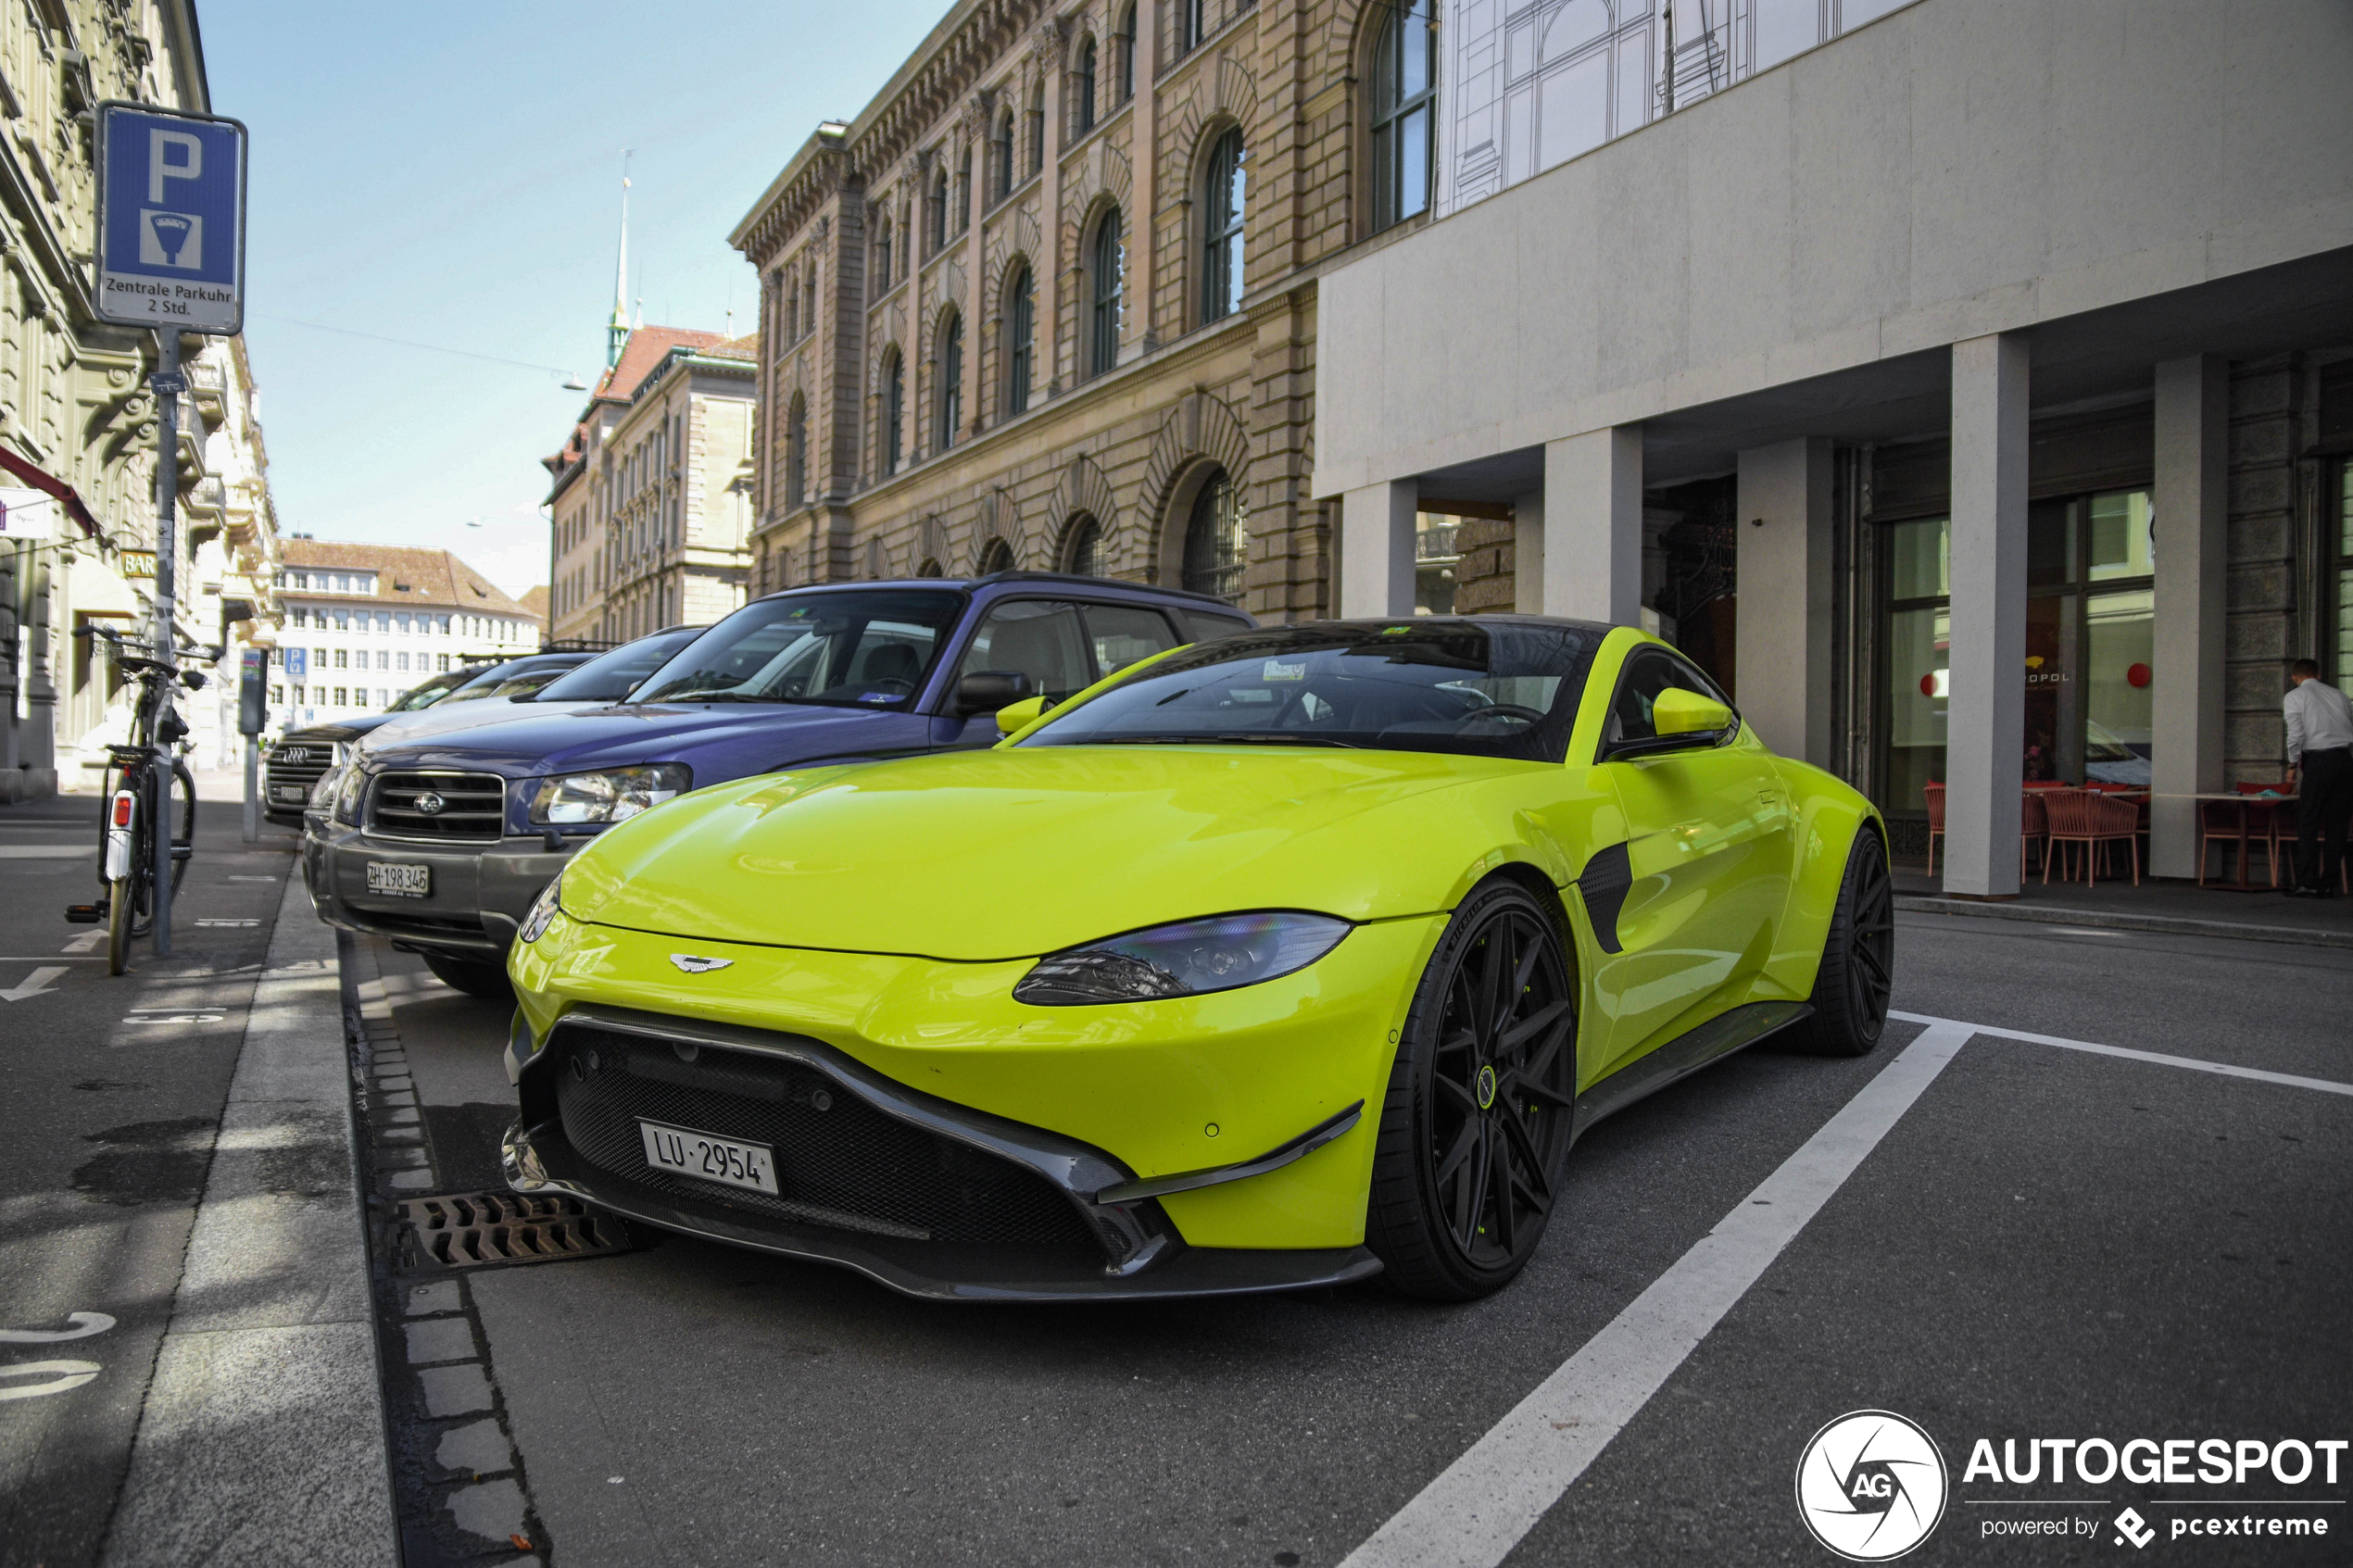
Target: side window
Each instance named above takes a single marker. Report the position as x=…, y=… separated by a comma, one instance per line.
x=1042, y=638
x=1204, y=624
x=1123, y=633
x=1648, y=673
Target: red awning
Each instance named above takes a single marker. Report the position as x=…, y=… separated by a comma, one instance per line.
x=57, y=487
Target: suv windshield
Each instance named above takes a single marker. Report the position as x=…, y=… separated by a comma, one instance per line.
x=489, y=681
x=426, y=693
x=843, y=648
x=609, y=676
x=1483, y=689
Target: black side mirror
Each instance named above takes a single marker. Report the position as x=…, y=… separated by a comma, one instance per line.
x=985, y=691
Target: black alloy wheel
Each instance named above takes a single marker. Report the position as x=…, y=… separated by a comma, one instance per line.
x=1477, y=1123
x=1850, y=989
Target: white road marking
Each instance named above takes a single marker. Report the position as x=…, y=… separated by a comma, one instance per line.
x=2089, y=931
x=228, y=922
x=61, y=958
x=35, y=985
x=253, y=879
x=1479, y=1507
x=63, y=1377
x=44, y=851
x=84, y=942
x=174, y=1018
x=2195, y=1064
x=84, y=1325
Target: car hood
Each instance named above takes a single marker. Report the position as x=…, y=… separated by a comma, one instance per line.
x=990, y=855
x=536, y=743
x=343, y=732
x=442, y=717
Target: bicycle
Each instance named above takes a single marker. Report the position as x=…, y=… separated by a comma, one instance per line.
x=140, y=778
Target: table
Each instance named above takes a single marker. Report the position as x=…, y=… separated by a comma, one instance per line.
x=2242, y=801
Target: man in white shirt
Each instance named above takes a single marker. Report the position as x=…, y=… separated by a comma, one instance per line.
x=2320, y=760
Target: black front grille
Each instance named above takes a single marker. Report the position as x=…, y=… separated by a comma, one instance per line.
x=460, y=807
x=291, y=768
x=847, y=1167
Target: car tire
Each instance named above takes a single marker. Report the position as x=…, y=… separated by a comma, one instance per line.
x=1476, y=1121
x=474, y=979
x=1859, y=957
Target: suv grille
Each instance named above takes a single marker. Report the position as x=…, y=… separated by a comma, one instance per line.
x=469, y=807
x=846, y=1167
x=297, y=769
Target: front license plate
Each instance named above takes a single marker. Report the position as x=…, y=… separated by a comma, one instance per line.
x=399, y=880
x=289, y=795
x=724, y=1161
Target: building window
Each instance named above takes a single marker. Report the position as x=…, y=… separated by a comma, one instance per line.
x=1001, y=156
x=893, y=410
x=792, y=307
x=996, y=556
x=965, y=193
x=1222, y=204
x=951, y=380
x=1405, y=91
x=278, y=694
x=1190, y=27
x=1107, y=264
x=1082, y=91
x=882, y=256
x=797, y=453
x=1021, y=339
x=809, y=299
x=1216, y=545
x=1084, y=555
x=939, y=235
x=1123, y=43
x=1037, y=128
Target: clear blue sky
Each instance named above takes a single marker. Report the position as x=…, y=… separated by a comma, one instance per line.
x=449, y=174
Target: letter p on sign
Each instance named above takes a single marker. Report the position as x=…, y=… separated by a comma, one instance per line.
x=161, y=165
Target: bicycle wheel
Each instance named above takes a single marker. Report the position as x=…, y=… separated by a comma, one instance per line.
x=183, y=831
x=143, y=860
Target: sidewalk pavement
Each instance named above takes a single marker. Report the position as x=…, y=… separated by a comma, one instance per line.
x=2180, y=907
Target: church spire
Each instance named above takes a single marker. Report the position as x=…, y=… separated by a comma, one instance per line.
x=617, y=331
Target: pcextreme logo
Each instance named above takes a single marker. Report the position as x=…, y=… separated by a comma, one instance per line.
x=1870, y=1486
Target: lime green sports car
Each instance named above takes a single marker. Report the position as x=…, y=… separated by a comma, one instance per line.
x=1284, y=960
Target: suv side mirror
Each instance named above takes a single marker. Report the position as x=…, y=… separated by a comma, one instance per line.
x=985, y=691
x=1021, y=715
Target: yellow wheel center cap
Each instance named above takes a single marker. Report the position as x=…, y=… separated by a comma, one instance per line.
x=1486, y=1088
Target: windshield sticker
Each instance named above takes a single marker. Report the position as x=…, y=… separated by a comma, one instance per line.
x=877, y=696
x=1278, y=670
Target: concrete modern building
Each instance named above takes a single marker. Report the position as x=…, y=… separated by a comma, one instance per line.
x=651, y=505
x=365, y=622
x=1972, y=388
x=1049, y=299
x=77, y=421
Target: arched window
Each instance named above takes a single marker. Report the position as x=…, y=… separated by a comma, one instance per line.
x=1223, y=200
x=939, y=235
x=1123, y=35
x=930, y=569
x=1405, y=91
x=996, y=556
x=964, y=192
x=1021, y=339
x=1038, y=127
x=1216, y=545
x=951, y=380
x=893, y=410
x=797, y=453
x=1082, y=91
x=882, y=256
x=1001, y=156
x=1084, y=553
x=1190, y=27
x=1107, y=263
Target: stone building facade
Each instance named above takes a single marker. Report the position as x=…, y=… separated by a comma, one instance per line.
x=1049, y=301
x=651, y=505
x=78, y=422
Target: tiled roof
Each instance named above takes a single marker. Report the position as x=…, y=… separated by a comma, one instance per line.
x=643, y=351
x=408, y=576
x=535, y=600
x=744, y=347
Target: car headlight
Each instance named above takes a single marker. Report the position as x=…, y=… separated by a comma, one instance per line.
x=612, y=795
x=355, y=784
x=1188, y=958
x=323, y=792
x=544, y=910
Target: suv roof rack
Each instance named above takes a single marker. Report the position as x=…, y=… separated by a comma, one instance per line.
x=1018, y=575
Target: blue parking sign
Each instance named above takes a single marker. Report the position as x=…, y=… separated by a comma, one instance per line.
x=298, y=663
x=172, y=218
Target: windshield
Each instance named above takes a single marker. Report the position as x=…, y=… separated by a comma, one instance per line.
x=426, y=694
x=1492, y=688
x=609, y=676
x=845, y=647
x=492, y=682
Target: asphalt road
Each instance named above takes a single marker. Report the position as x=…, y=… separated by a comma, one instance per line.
x=111, y=1089
x=2045, y=1243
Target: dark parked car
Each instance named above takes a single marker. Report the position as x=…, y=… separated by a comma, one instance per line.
x=603, y=680
x=298, y=758
x=441, y=844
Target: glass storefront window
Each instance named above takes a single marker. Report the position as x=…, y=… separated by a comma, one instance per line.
x=1435, y=558
x=2119, y=642
x=2120, y=546
x=2345, y=575
x=1920, y=560
x=1918, y=657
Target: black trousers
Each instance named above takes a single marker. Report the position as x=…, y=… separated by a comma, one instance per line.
x=2323, y=805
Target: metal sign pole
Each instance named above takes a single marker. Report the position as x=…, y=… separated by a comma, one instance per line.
x=167, y=385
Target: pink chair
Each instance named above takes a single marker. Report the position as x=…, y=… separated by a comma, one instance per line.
x=2093, y=820
x=2034, y=829
x=1935, y=793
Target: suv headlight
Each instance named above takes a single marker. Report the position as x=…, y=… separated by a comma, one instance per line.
x=612, y=795
x=1188, y=958
x=355, y=784
x=544, y=910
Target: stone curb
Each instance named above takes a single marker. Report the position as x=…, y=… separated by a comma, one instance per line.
x=2101, y=920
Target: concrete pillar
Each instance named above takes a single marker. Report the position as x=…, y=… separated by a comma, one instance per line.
x=1592, y=525
x=2193, y=560
x=1528, y=554
x=1985, y=738
x=1782, y=661
x=1377, y=548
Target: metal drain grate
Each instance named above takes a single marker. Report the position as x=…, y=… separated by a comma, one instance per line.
x=468, y=1230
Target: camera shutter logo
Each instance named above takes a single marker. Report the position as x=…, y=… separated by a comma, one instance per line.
x=1871, y=1485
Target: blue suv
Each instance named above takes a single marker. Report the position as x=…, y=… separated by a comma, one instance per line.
x=440, y=844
